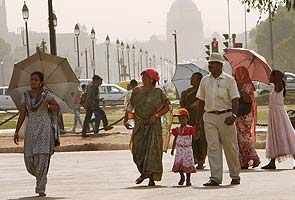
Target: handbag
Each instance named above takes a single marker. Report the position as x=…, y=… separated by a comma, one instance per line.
x=244, y=107
x=55, y=127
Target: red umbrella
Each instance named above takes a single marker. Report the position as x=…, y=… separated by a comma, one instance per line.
x=256, y=64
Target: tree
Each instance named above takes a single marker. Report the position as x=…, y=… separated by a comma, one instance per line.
x=264, y=5
x=284, y=39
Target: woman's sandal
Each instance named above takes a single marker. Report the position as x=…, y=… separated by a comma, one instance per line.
x=42, y=194
x=256, y=164
x=140, y=179
x=188, y=183
x=152, y=183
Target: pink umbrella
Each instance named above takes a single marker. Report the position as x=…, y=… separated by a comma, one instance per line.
x=256, y=64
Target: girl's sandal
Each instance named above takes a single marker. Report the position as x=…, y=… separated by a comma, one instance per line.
x=42, y=194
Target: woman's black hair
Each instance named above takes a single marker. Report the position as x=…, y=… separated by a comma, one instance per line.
x=40, y=76
x=198, y=74
x=276, y=73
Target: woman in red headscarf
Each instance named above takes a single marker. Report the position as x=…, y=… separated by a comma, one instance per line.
x=246, y=121
x=149, y=104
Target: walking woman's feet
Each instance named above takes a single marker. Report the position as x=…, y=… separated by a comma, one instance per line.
x=152, y=183
x=188, y=183
x=42, y=194
x=200, y=166
x=269, y=166
x=245, y=167
x=256, y=163
x=294, y=167
x=141, y=179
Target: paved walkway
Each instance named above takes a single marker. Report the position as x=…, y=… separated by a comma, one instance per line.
x=111, y=175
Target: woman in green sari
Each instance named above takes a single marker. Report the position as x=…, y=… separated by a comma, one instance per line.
x=149, y=104
x=189, y=101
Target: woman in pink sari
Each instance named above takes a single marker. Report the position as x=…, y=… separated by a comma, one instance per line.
x=246, y=121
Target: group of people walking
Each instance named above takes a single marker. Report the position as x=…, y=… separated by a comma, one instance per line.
x=218, y=112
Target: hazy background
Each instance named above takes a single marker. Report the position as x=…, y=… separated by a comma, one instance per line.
x=126, y=19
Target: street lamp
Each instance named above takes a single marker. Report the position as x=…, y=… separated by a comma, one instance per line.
x=54, y=20
x=108, y=42
x=150, y=59
x=123, y=59
x=154, y=61
x=77, y=33
x=147, y=58
x=2, y=70
x=133, y=55
x=140, y=54
x=118, y=54
x=128, y=59
x=161, y=65
x=25, y=12
x=175, y=46
x=93, y=52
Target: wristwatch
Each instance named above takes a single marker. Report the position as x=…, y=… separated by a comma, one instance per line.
x=157, y=115
x=234, y=115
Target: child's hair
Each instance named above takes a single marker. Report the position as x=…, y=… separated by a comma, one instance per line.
x=200, y=76
x=280, y=75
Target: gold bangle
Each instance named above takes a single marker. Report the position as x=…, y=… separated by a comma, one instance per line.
x=157, y=115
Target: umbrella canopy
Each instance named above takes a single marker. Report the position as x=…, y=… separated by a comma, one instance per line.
x=59, y=78
x=256, y=64
x=183, y=74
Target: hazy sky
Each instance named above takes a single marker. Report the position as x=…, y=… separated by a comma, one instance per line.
x=126, y=19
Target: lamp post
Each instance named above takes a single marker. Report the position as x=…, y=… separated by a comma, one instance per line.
x=271, y=35
x=228, y=18
x=93, y=50
x=86, y=62
x=25, y=12
x=147, y=58
x=161, y=66
x=133, y=58
x=154, y=61
x=2, y=70
x=150, y=62
x=118, y=54
x=140, y=56
x=77, y=33
x=175, y=46
x=52, y=24
x=123, y=60
x=128, y=60
x=108, y=42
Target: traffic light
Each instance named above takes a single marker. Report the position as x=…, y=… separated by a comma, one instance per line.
x=226, y=42
x=207, y=51
x=214, y=45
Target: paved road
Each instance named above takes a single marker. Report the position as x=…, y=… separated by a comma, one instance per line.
x=111, y=175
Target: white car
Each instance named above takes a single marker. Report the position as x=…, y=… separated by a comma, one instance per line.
x=289, y=78
x=6, y=102
x=112, y=93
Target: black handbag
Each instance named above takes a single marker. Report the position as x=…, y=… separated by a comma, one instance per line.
x=244, y=107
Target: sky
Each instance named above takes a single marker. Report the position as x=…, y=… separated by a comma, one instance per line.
x=125, y=19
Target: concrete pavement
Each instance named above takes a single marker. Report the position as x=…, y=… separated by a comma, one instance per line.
x=111, y=175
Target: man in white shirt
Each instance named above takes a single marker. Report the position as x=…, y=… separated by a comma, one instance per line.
x=218, y=95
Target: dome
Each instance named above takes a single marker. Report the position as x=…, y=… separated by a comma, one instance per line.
x=181, y=5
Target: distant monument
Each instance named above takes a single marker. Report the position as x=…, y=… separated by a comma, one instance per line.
x=3, y=21
x=185, y=18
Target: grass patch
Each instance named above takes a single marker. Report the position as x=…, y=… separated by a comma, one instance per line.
x=262, y=100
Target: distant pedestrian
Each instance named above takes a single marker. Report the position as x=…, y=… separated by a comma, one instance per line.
x=133, y=84
x=218, y=95
x=37, y=104
x=184, y=159
x=76, y=109
x=92, y=105
x=246, y=120
x=190, y=102
x=280, y=141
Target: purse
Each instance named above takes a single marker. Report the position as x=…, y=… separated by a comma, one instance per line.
x=244, y=107
x=55, y=128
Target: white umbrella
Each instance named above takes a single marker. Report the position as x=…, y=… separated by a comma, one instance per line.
x=183, y=74
x=59, y=78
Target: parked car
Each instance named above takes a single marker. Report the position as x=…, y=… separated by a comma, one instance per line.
x=6, y=102
x=112, y=93
x=289, y=78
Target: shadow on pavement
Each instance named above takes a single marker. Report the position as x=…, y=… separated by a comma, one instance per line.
x=215, y=187
x=263, y=170
x=37, y=197
x=145, y=187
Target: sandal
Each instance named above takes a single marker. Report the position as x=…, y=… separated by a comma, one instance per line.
x=256, y=164
x=140, y=179
x=152, y=183
x=42, y=194
x=181, y=182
